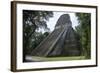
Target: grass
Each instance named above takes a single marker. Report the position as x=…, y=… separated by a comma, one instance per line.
x=35, y=58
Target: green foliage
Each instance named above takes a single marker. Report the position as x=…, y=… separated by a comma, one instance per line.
x=57, y=58
x=32, y=21
x=84, y=30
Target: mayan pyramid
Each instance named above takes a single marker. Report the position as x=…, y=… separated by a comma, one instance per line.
x=63, y=41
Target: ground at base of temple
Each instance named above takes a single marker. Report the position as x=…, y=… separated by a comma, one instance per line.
x=43, y=59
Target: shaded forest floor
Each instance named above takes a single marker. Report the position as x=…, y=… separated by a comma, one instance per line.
x=41, y=59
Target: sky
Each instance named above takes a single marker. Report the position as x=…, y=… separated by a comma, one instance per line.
x=52, y=21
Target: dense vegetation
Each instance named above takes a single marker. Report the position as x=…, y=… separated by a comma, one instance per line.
x=32, y=22
x=84, y=30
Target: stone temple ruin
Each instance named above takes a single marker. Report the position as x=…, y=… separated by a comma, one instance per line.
x=63, y=41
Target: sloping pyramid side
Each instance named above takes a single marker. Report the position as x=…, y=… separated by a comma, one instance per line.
x=67, y=45
x=46, y=45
